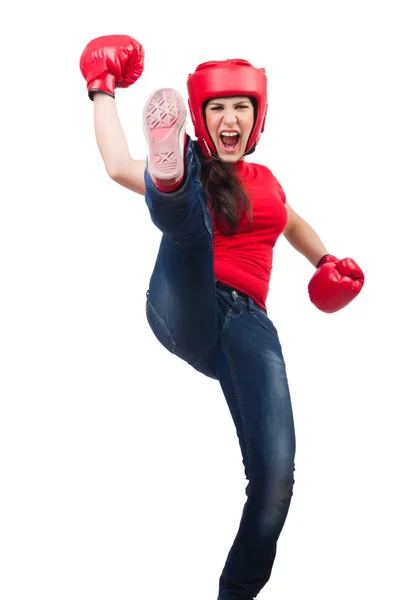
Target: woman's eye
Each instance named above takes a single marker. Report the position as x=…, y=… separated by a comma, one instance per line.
x=217, y=108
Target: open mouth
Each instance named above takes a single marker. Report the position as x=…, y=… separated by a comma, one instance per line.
x=230, y=140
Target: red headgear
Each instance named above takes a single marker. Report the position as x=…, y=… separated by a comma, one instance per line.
x=233, y=77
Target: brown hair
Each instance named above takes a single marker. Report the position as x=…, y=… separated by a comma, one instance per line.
x=226, y=196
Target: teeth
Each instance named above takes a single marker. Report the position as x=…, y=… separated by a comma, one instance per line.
x=227, y=134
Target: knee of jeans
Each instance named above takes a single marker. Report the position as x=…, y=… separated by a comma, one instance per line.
x=159, y=328
x=273, y=503
x=277, y=488
x=272, y=484
x=283, y=491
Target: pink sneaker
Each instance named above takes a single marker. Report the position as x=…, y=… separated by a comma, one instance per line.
x=164, y=125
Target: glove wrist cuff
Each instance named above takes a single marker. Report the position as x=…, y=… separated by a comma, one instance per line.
x=105, y=83
x=325, y=259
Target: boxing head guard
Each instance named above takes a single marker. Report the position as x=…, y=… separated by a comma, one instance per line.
x=216, y=79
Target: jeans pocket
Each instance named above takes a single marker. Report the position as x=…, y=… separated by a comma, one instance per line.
x=231, y=310
x=159, y=328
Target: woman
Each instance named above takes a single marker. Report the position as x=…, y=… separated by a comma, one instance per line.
x=220, y=218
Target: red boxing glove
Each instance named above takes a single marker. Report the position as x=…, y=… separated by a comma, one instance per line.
x=335, y=283
x=111, y=61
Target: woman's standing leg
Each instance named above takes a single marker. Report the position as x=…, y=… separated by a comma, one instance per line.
x=253, y=377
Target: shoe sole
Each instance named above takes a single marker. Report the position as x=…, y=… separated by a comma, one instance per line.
x=164, y=119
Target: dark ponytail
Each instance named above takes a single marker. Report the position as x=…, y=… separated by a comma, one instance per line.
x=226, y=196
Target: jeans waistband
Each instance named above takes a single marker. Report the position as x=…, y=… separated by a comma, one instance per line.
x=237, y=294
x=231, y=290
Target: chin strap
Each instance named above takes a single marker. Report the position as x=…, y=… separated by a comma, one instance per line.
x=250, y=151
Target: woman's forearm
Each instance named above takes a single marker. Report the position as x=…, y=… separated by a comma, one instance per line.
x=109, y=134
x=305, y=240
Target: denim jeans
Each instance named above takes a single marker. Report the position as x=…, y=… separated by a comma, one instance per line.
x=231, y=339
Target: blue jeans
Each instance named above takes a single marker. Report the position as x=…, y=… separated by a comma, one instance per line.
x=231, y=339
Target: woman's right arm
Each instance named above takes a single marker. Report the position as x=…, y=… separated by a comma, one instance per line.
x=113, y=146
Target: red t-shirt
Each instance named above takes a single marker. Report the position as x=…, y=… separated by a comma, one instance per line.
x=244, y=260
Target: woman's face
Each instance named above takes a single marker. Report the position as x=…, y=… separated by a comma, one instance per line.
x=230, y=122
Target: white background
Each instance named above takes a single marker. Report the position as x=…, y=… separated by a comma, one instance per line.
x=120, y=471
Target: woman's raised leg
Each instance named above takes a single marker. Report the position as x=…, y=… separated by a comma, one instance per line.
x=181, y=301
